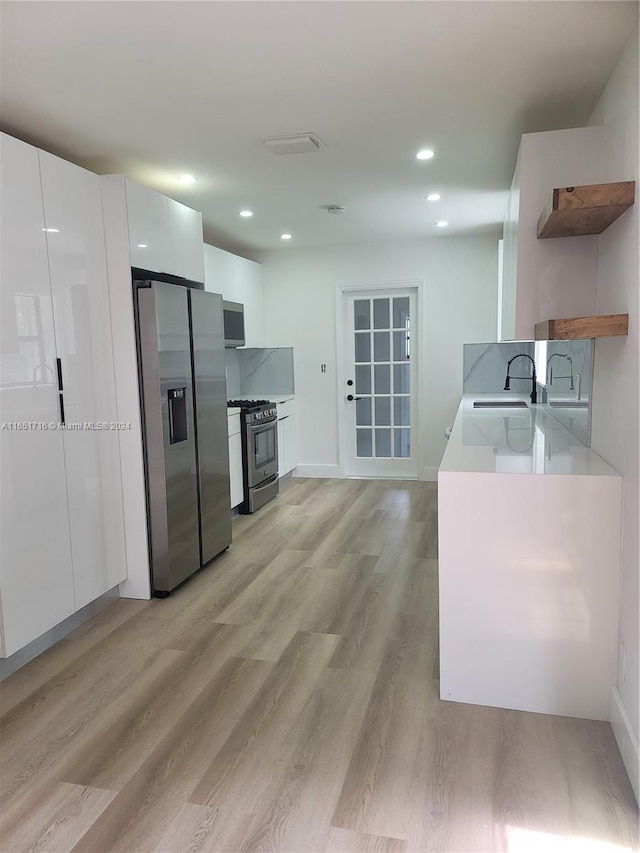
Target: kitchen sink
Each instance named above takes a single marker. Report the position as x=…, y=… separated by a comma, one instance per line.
x=499, y=404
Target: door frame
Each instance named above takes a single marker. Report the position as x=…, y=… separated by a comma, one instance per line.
x=355, y=288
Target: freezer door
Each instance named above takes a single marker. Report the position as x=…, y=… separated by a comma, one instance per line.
x=170, y=445
x=211, y=422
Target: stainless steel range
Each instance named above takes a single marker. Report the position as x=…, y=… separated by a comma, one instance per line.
x=259, y=420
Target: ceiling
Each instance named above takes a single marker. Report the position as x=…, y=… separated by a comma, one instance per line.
x=156, y=89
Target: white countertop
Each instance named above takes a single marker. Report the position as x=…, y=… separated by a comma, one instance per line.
x=280, y=398
x=516, y=441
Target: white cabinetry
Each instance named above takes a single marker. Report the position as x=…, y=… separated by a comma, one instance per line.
x=164, y=235
x=62, y=524
x=235, y=460
x=238, y=280
x=287, y=437
x=78, y=275
x=185, y=235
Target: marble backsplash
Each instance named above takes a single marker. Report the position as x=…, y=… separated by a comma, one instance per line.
x=485, y=366
x=259, y=371
x=564, y=371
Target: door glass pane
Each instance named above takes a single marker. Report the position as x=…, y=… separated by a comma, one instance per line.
x=401, y=411
x=363, y=346
x=363, y=379
x=401, y=312
x=381, y=313
x=402, y=443
x=401, y=378
x=400, y=346
x=381, y=348
x=383, y=411
x=383, y=443
x=362, y=314
x=363, y=442
x=363, y=412
x=382, y=379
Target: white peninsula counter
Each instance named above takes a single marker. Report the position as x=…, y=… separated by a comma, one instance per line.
x=529, y=554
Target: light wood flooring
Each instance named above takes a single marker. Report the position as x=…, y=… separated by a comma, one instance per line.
x=286, y=699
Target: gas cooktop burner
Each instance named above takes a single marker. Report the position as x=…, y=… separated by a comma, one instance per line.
x=247, y=404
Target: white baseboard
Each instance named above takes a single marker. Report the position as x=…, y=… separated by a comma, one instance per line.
x=626, y=740
x=329, y=471
x=429, y=474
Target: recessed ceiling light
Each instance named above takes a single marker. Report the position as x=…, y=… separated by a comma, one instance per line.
x=285, y=236
x=246, y=213
x=433, y=197
x=52, y=230
x=187, y=179
x=424, y=154
x=142, y=245
x=441, y=224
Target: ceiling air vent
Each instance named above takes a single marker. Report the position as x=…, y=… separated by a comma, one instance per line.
x=335, y=209
x=298, y=143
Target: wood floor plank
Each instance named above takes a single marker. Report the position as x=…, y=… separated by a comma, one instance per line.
x=293, y=812
x=262, y=737
x=152, y=798
x=346, y=841
x=27, y=679
x=30, y=767
x=59, y=820
x=285, y=700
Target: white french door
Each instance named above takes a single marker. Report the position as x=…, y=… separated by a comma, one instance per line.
x=379, y=414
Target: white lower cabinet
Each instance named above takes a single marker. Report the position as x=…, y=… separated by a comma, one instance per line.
x=235, y=461
x=287, y=437
x=61, y=536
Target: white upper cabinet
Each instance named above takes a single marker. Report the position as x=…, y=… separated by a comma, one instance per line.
x=78, y=274
x=238, y=280
x=35, y=549
x=185, y=233
x=149, y=241
x=164, y=235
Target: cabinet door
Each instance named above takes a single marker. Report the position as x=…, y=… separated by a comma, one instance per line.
x=35, y=551
x=185, y=232
x=149, y=238
x=290, y=443
x=281, y=447
x=77, y=268
x=248, y=289
x=235, y=469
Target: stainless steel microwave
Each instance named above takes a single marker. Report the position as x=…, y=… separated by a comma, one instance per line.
x=233, y=324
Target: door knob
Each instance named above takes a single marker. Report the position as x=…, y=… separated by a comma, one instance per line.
x=350, y=398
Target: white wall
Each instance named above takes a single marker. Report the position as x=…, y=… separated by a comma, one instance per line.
x=238, y=280
x=458, y=278
x=616, y=425
x=554, y=277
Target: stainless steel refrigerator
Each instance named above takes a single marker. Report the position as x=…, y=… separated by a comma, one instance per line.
x=184, y=415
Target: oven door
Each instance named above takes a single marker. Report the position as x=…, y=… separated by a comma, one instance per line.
x=262, y=452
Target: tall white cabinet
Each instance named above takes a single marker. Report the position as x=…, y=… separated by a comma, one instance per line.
x=62, y=526
x=143, y=229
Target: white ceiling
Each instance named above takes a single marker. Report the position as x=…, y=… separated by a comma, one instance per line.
x=154, y=89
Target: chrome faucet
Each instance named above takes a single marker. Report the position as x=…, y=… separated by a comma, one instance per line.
x=550, y=369
x=508, y=378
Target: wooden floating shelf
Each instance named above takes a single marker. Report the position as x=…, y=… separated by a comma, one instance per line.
x=577, y=211
x=581, y=328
